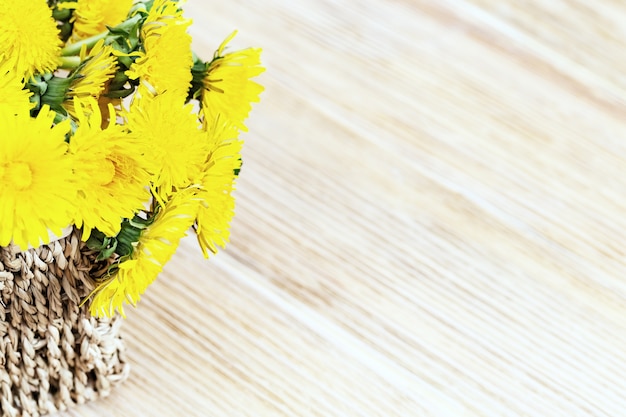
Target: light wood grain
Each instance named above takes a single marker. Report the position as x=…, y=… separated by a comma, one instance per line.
x=430, y=220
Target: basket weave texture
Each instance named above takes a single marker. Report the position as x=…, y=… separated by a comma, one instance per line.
x=53, y=354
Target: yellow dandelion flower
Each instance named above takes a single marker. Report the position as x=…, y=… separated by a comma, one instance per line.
x=165, y=64
x=217, y=183
x=156, y=245
x=92, y=17
x=228, y=90
x=12, y=92
x=30, y=36
x=90, y=79
x=38, y=192
x=176, y=142
x=110, y=171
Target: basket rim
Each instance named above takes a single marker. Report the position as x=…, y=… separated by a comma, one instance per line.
x=52, y=237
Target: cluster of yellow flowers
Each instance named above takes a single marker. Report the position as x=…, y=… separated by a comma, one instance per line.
x=110, y=124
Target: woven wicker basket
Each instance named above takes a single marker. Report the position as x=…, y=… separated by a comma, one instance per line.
x=52, y=353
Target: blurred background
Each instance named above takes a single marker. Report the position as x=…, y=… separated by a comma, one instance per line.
x=430, y=220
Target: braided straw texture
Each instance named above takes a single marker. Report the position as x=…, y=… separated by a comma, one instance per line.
x=52, y=353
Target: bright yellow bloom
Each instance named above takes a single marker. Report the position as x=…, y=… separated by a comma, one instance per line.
x=165, y=64
x=92, y=17
x=177, y=145
x=12, y=92
x=29, y=35
x=110, y=169
x=156, y=245
x=90, y=78
x=217, y=184
x=38, y=191
x=228, y=90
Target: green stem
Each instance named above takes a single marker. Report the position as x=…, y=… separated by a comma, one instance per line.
x=70, y=62
x=138, y=7
x=74, y=48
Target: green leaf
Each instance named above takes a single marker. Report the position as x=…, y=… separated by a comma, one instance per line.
x=140, y=223
x=129, y=27
x=104, y=245
x=198, y=72
x=96, y=240
x=120, y=93
x=130, y=233
x=110, y=248
x=61, y=14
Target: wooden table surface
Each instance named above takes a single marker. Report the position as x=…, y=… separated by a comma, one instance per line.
x=430, y=220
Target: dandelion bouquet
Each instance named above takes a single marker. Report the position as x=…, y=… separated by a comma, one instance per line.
x=110, y=125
